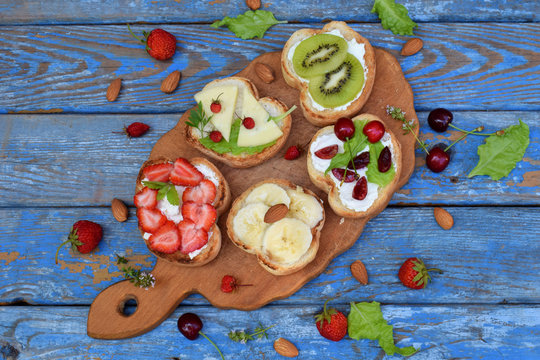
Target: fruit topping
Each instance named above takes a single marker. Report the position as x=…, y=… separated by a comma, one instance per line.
x=185, y=174
x=292, y=153
x=166, y=239
x=385, y=160
x=437, y=159
x=229, y=284
x=344, y=175
x=413, y=273
x=203, y=215
x=360, y=189
x=204, y=193
x=158, y=172
x=84, y=237
x=319, y=54
x=248, y=123
x=192, y=237
x=374, y=130
x=360, y=161
x=439, y=119
x=332, y=324
x=150, y=219
x=215, y=106
x=344, y=129
x=146, y=198
x=327, y=152
x=189, y=325
x=216, y=136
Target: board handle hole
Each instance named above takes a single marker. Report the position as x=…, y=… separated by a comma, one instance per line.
x=128, y=306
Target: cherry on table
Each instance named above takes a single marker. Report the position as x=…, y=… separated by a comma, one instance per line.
x=189, y=325
x=437, y=160
x=439, y=119
x=344, y=128
x=374, y=130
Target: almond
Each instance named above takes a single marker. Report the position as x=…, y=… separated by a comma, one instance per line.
x=253, y=4
x=171, y=82
x=412, y=46
x=358, y=270
x=264, y=72
x=275, y=213
x=443, y=218
x=285, y=348
x=114, y=89
x=119, y=210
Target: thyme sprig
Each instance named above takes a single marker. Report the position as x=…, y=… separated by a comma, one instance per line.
x=139, y=278
x=408, y=125
x=243, y=337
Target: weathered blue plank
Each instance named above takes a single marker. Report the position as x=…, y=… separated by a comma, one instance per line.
x=489, y=256
x=77, y=160
x=83, y=12
x=480, y=66
x=440, y=332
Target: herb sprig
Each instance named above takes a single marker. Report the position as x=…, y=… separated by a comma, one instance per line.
x=198, y=118
x=139, y=278
x=165, y=189
x=120, y=259
x=243, y=337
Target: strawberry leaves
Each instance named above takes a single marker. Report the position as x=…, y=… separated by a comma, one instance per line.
x=250, y=24
x=165, y=189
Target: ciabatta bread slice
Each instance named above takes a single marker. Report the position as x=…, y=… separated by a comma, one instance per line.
x=244, y=160
x=301, y=225
x=313, y=112
x=339, y=194
x=221, y=204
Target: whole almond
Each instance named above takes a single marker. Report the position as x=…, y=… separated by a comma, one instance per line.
x=171, y=82
x=253, y=4
x=358, y=270
x=443, y=218
x=412, y=46
x=264, y=72
x=114, y=89
x=275, y=213
x=285, y=348
x=119, y=210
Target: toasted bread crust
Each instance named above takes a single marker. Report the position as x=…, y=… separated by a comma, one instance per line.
x=328, y=116
x=245, y=160
x=325, y=183
x=264, y=260
x=221, y=203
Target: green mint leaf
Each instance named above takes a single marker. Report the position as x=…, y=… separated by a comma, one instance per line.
x=373, y=174
x=172, y=196
x=352, y=146
x=162, y=192
x=250, y=24
x=500, y=154
x=366, y=321
x=156, y=185
x=394, y=17
x=282, y=116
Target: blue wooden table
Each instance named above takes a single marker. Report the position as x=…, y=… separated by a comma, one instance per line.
x=60, y=162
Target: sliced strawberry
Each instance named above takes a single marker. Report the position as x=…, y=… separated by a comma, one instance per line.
x=158, y=172
x=150, y=219
x=185, y=174
x=146, y=198
x=166, y=239
x=204, y=193
x=203, y=215
x=192, y=237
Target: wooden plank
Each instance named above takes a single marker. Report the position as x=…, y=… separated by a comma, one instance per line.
x=79, y=12
x=479, y=66
x=440, y=332
x=488, y=257
x=81, y=156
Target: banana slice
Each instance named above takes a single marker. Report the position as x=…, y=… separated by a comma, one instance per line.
x=249, y=225
x=269, y=194
x=286, y=240
x=304, y=207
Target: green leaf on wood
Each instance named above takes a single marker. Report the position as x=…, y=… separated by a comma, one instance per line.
x=250, y=24
x=394, y=17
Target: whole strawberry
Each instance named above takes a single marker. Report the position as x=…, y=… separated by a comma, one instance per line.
x=136, y=129
x=413, y=273
x=229, y=284
x=332, y=324
x=292, y=153
x=160, y=44
x=84, y=237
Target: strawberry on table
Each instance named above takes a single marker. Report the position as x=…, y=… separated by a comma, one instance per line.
x=158, y=172
x=150, y=219
x=185, y=174
x=204, y=193
x=332, y=324
x=413, y=273
x=136, y=129
x=84, y=237
x=160, y=44
x=146, y=198
x=166, y=239
x=192, y=237
x=203, y=215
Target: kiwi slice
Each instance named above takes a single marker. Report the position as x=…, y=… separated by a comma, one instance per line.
x=319, y=54
x=339, y=86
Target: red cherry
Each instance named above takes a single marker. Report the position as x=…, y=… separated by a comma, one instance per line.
x=374, y=130
x=189, y=325
x=215, y=106
x=216, y=136
x=248, y=123
x=385, y=160
x=344, y=128
x=439, y=119
x=360, y=189
x=350, y=176
x=437, y=160
x=327, y=152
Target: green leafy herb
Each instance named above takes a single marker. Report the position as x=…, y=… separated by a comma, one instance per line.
x=500, y=153
x=352, y=147
x=243, y=337
x=139, y=278
x=250, y=24
x=165, y=189
x=198, y=119
x=279, y=117
x=373, y=174
x=121, y=260
x=366, y=321
x=394, y=17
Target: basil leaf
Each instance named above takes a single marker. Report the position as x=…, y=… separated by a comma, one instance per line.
x=156, y=185
x=250, y=24
x=394, y=17
x=373, y=174
x=366, y=321
x=500, y=154
x=352, y=146
x=172, y=196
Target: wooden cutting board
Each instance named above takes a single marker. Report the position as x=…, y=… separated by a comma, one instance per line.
x=174, y=283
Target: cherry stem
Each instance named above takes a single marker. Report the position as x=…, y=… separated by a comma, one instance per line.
x=58, y=250
x=436, y=270
x=422, y=145
x=211, y=342
x=473, y=132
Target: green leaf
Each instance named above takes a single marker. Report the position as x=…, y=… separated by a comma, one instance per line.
x=373, y=174
x=352, y=146
x=366, y=321
x=394, y=17
x=172, y=196
x=279, y=117
x=156, y=185
x=197, y=118
x=250, y=24
x=162, y=192
x=500, y=154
